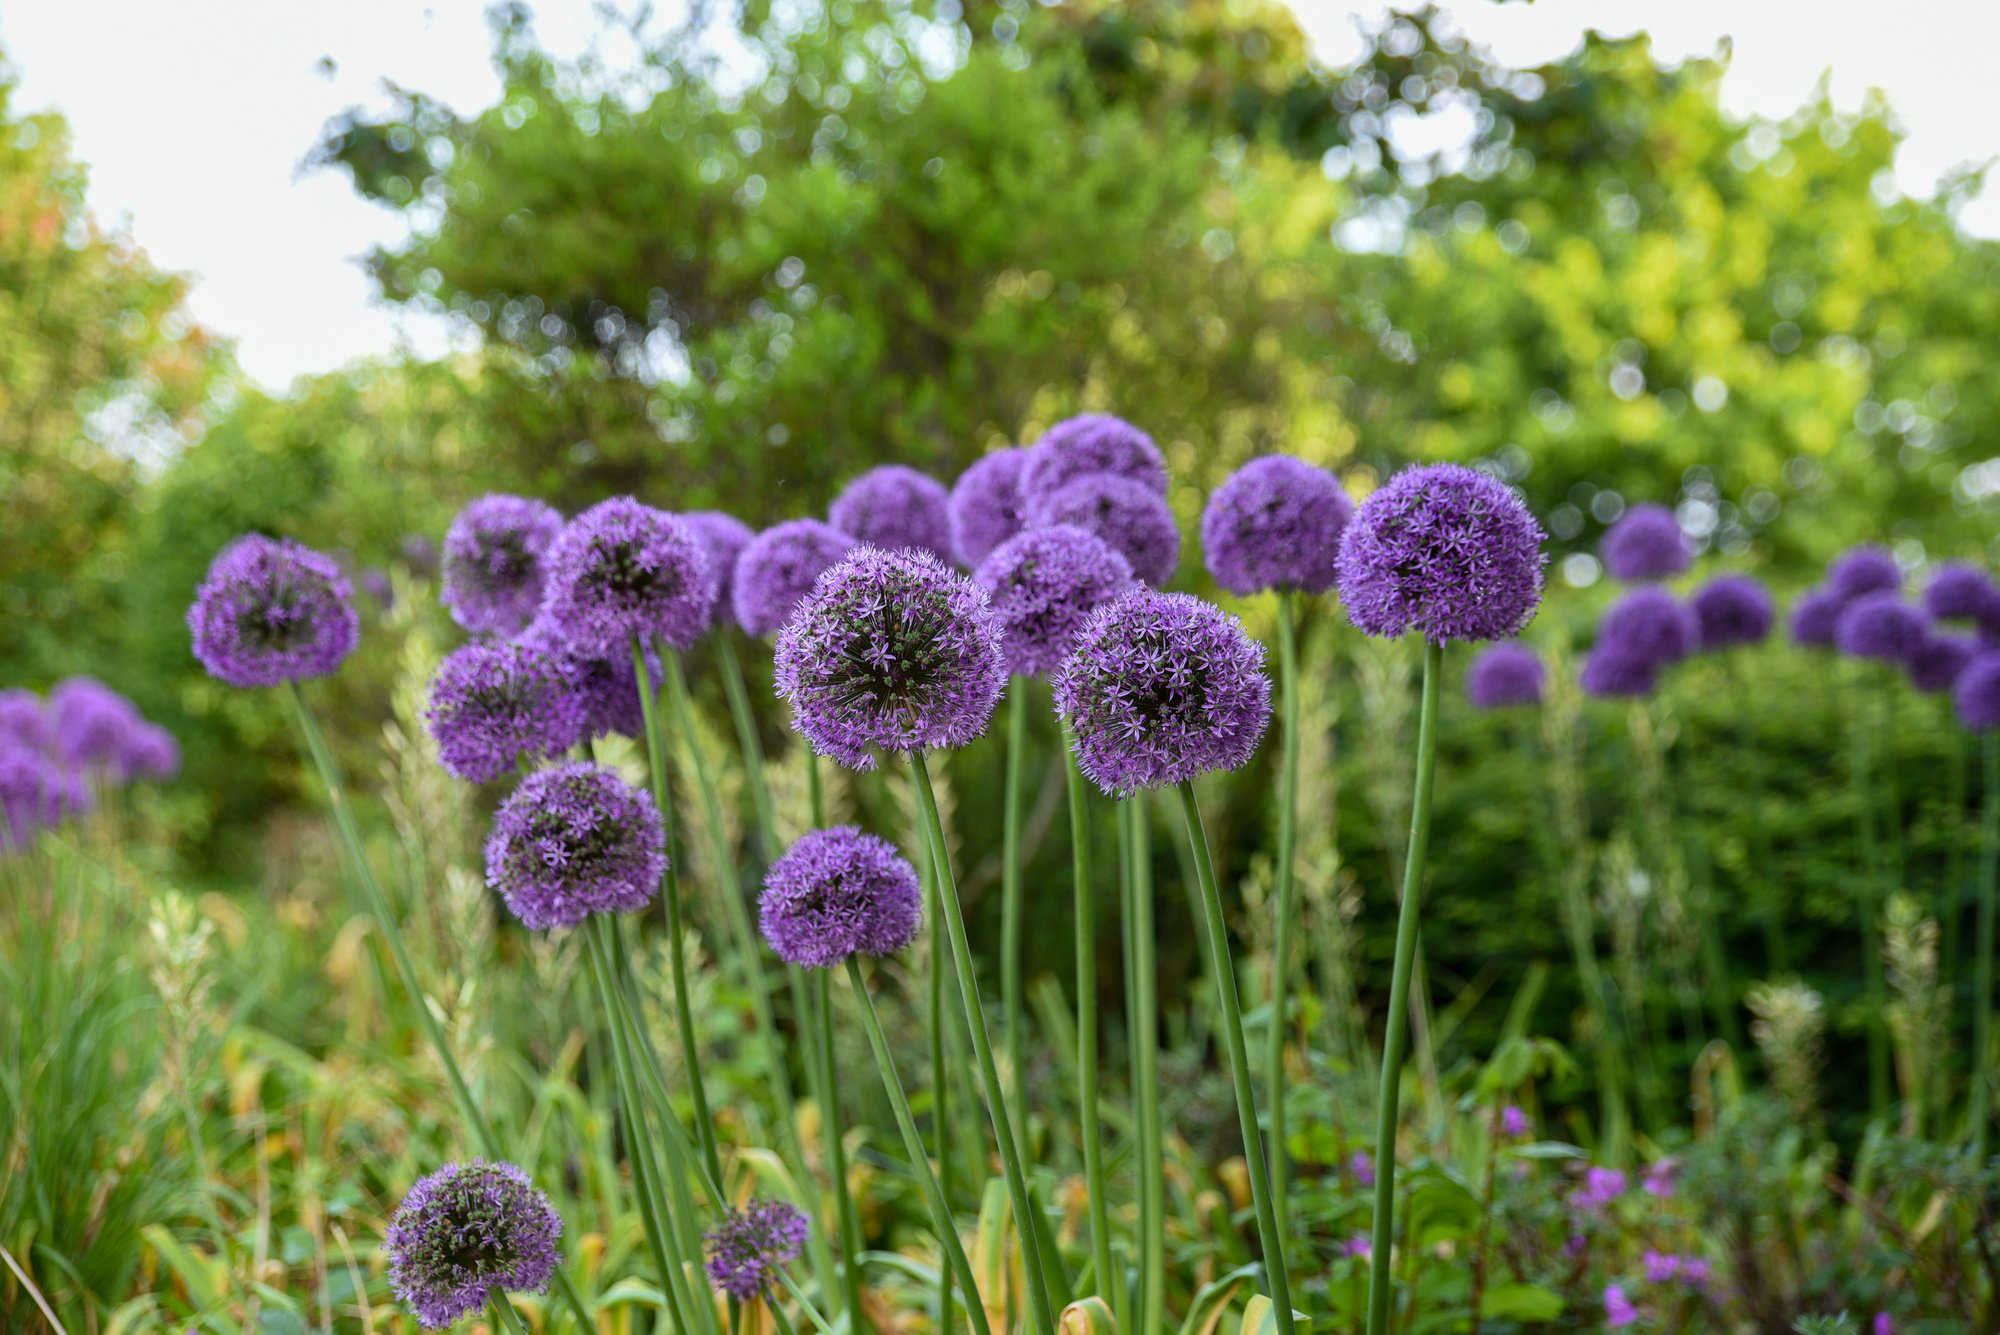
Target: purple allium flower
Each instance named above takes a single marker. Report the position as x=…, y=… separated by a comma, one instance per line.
x=724, y=537
x=1960, y=592
x=1935, y=666
x=149, y=752
x=1648, y=625
x=1091, y=443
x=1733, y=609
x=1503, y=674
x=607, y=687
x=1129, y=516
x=1444, y=551
x=893, y=507
x=1815, y=615
x=1863, y=569
x=493, y=704
x=1275, y=523
x=1601, y=1186
x=272, y=611
x=93, y=725
x=622, y=569
x=1660, y=1267
x=493, y=562
x=1882, y=626
x=1363, y=1169
x=986, y=507
x=25, y=722
x=1514, y=1122
x=575, y=839
x=1659, y=1179
x=1044, y=584
x=893, y=651
x=837, y=891
x=776, y=571
x=1977, y=694
x=1618, y=1309
x=469, y=1232
x=1645, y=543
x=1608, y=675
x=1162, y=688
x=748, y=1250
x=1360, y=1246
x=35, y=793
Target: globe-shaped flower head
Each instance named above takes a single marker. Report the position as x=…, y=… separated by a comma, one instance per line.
x=467, y=1233
x=1275, y=523
x=1867, y=568
x=25, y=721
x=724, y=537
x=1162, y=688
x=272, y=611
x=837, y=891
x=608, y=688
x=1976, y=697
x=1814, y=617
x=1882, y=626
x=575, y=839
x=93, y=726
x=1504, y=674
x=1959, y=592
x=1733, y=610
x=777, y=570
x=1936, y=665
x=1645, y=543
x=492, y=562
x=1132, y=518
x=622, y=569
x=894, y=507
x=892, y=651
x=494, y=704
x=1606, y=674
x=1092, y=443
x=748, y=1250
x=1649, y=625
x=1444, y=551
x=986, y=507
x=1044, y=584
x=35, y=794
x=149, y=752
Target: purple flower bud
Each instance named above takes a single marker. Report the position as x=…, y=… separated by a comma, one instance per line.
x=572, y=840
x=894, y=508
x=1864, y=569
x=723, y=537
x=467, y=1233
x=1608, y=674
x=1935, y=666
x=621, y=569
x=1618, y=1309
x=986, y=505
x=1363, y=1169
x=748, y=1250
x=1884, y=1324
x=1275, y=523
x=1977, y=694
x=837, y=891
x=1733, y=610
x=1514, y=1122
x=1092, y=443
x=608, y=688
x=25, y=722
x=1882, y=626
x=1959, y=592
x=272, y=611
x=776, y=571
x=1044, y=584
x=1130, y=517
x=1645, y=543
x=493, y=563
x=1814, y=617
x=1503, y=674
x=493, y=705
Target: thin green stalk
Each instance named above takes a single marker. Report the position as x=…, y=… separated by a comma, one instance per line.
x=913, y=1145
x=504, y=1307
x=1982, y=969
x=816, y=800
x=936, y=1018
x=1123, y=1297
x=1146, y=1054
x=1715, y=962
x=1010, y=903
x=1086, y=1029
x=1288, y=895
x=1866, y=904
x=1380, y=1282
x=1951, y=894
x=740, y=713
x=1276, y=1272
x=982, y=1045
x=836, y=1152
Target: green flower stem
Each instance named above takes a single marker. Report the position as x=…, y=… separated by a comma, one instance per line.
x=670, y=891
x=745, y=720
x=1381, y=1289
x=1950, y=895
x=503, y=1307
x=816, y=799
x=1151, y=1314
x=982, y=1045
x=1288, y=897
x=936, y=1018
x=836, y=1152
x=913, y=1145
x=1277, y=1276
x=1086, y=1030
x=1010, y=902
x=1866, y=904
x=376, y=904
x=1125, y=1303
x=1982, y=975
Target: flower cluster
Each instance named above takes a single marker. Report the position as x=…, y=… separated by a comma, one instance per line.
x=1880, y=625
x=54, y=754
x=1044, y=584
x=778, y=568
x=1131, y=518
x=748, y=1250
x=894, y=507
x=1645, y=543
x=1091, y=443
x=837, y=891
x=492, y=563
x=466, y=1233
x=572, y=840
x=1646, y=629
x=723, y=537
x=621, y=569
x=1275, y=523
x=1503, y=674
x=607, y=689
x=493, y=705
x=272, y=611
x=986, y=507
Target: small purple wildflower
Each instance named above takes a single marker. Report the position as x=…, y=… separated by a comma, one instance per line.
x=1130, y=517
x=893, y=651
x=1360, y=1246
x=723, y=537
x=272, y=611
x=492, y=569
x=777, y=570
x=748, y=1250
x=1733, y=610
x=1884, y=1324
x=25, y=721
x=1091, y=443
x=1275, y=523
x=1865, y=569
x=1882, y=626
x=1814, y=617
x=607, y=687
x=1618, y=1309
x=493, y=705
x=1645, y=543
x=1935, y=667
x=469, y=1232
x=1660, y=1267
x=1648, y=624
x=1695, y=1271
x=1960, y=592
x=1609, y=675
x=1363, y=1169
x=893, y=507
x=1977, y=694
x=1044, y=584
x=1601, y=1186
x=621, y=569
x=575, y=839
x=1659, y=1178
x=1503, y=674
x=986, y=507
x=1514, y=1122
x=837, y=891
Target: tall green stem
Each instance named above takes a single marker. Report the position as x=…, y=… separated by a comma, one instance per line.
x=508, y=1316
x=1380, y=1283
x=1982, y=975
x=1010, y=903
x=1950, y=896
x=936, y=1019
x=745, y=720
x=982, y=1046
x=1288, y=908
x=1866, y=904
x=1086, y=1030
x=1276, y=1272
x=836, y=1152
x=1145, y=1023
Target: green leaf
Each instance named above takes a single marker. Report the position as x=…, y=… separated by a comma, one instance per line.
x=1521, y=1302
x=1547, y=1149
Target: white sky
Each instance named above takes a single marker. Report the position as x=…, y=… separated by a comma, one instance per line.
x=194, y=117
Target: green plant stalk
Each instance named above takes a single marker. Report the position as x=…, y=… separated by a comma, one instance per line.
x=1129, y=1307
x=1086, y=1030
x=1715, y=962
x=1010, y=903
x=1982, y=969
x=1777, y=953
x=1277, y=1273
x=1152, y=1313
x=936, y=1019
x=1866, y=904
x=670, y=891
x=982, y=1045
x=913, y=1145
x=1949, y=905
x=1288, y=896
x=1380, y=1283
x=376, y=904
x=836, y=1152
x=504, y=1307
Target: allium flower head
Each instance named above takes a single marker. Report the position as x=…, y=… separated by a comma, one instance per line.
x=1815, y=615
x=1130, y=517
x=837, y=891
x=494, y=704
x=1867, y=568
x=1882, y=626
x=1977, y=694
x=1275, y=523
x=607, y=688
x=492, y=562
x=893, y=651
x=1091, y=443
x=1442, y=550
x=1607, y=674
x=748, y=1250
x=1503, y=674
x=1648, y=625
x=1733, y=610
x=575, y=839
x=25, y=721
x=35, y=794
x=1645, y=543
x=724, y=537
x=272, y=611
x=986, y=507
x=893, y=507
x=1162, y=688
x=1044, y=584
x=777, y=570
x=149, y=752
x=1935, y=666
x=467, y=1233
x=93, y=725
x=622, y=569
